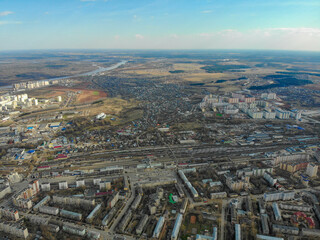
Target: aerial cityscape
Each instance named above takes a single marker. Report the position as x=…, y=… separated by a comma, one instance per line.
x=192, y=139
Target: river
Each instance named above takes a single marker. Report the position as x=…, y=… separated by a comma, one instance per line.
x=91, y=73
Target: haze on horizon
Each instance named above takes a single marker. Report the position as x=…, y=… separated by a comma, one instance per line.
x=160, y=24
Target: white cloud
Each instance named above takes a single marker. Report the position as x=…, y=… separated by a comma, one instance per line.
x=116, y=37
x=87, y=0
x=269, y=38
x=139, y=36
x=206, y=11
x=5, y=13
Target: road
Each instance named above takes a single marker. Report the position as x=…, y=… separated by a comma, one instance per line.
x=223, y=211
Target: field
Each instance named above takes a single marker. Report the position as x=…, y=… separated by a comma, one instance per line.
x=87, y=96
x=187, y=66
x=207, y=77
x=44, y=93
x=83, y=96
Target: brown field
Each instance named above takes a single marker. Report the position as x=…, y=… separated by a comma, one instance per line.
x=48, y=92
x=87, y=96
x=83, y=95
x=155, y=72
x=260, y=70
x=187, y=66
x=112, y=106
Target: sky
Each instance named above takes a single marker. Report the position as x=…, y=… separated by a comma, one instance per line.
x=160, y=24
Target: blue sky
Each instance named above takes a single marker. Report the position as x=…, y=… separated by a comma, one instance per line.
x=160, y=24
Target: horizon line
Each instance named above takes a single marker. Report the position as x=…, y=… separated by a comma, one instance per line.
x=156, y=49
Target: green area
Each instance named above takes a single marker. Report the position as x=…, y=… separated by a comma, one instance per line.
x=171, y=199
x=96, y=93
x=217, y=68
x=281, y=81
x=177, y=71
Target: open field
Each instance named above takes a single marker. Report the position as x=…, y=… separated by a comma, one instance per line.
x=207, y=77
x=48, y=92
x=87, y=96
x=149, y=71
x=111, y=106
x=83, y=96
x=187, y=66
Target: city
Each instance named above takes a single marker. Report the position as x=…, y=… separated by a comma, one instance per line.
x=159, y=120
